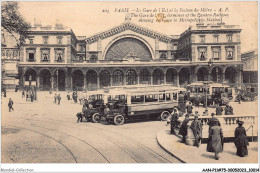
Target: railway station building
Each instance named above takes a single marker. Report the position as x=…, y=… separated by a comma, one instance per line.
x=129, y=54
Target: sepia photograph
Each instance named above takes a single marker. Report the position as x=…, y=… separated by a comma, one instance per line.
x=109, y=82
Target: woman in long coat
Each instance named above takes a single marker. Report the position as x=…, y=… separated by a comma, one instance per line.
x=241, y=141
x=215, y=143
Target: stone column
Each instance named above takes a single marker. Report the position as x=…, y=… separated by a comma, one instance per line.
x=84, y=82
x=52, y=81
x=23, y=80
x=209, y=76
x=239, y=77
x=151, y=77
x=223, y=77
x=38, y=81
x=164, y=78
x=124, y=79
x=111, y=80
x=138, y=79
x=98, y=82
x=178, y=80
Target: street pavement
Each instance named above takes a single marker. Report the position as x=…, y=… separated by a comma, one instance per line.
x=44, y=132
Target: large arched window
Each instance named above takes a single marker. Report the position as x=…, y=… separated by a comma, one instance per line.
x=104, y=78
x=144, y=76
x=118, y=77
x=131, y=77
x=126, y=48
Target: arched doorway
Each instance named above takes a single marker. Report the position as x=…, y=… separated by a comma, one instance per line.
x=32, y=73
x=131, y=78
x=144, y=77
x=91, y=80
x=104, y=78
x=45, y=80
x=216, y=74
x=59, y=79
x=202, y=74
x=118, y=78
x=184, y=76
x=158, y=77
x=78, y=80
x=171, y=76
x=231, y=74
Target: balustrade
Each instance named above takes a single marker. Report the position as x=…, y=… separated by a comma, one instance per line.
x=10, y=54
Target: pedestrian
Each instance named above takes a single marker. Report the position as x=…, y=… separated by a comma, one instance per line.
x=85, y=103
x=55, y=98
x=196, y=127
x=23, y=94
x=205, y=120
x=183, y=128
x=197, y=101
x=212, y=121
x=239, y=97
x=219, y=110
x=4, y=92
x=10, y=104
x=32, y=96
x=174, y=120
x=68, y=96
x=58, y=98
x=241, y=141
x=189, y=108
x=215, y=140
x=197, y=113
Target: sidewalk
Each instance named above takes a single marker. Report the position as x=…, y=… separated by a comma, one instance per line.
x=191, y=154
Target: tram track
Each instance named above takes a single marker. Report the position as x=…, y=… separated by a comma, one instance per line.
x=61, y=122
x=97, y=135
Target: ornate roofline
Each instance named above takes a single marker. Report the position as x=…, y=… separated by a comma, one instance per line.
x=129, y=26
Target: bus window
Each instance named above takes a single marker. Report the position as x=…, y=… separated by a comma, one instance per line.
x=174, y=96
x=168, y=96
x=151, y=98
x=161, y=97
x=137, y=99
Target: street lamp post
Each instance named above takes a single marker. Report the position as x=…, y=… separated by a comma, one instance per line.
x=206, y=100
x=30, y=80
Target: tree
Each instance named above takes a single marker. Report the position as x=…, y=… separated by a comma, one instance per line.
x=13, y=22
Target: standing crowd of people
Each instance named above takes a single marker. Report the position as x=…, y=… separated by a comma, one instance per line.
x=215, y=133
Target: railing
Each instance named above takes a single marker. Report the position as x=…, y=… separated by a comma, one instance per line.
x=10, y=54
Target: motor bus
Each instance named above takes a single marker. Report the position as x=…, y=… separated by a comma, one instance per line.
x=218, y=93
x=140, y=103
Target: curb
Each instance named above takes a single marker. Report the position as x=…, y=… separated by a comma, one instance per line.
x=167, y=151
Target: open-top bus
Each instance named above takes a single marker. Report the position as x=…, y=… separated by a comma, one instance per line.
x=140, y=103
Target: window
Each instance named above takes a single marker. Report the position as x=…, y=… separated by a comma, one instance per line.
x=229, y=38
x=163, y=55
x=81, y=48
x=229, y=53
x=215, y=38
x=117, y=76
x=151, y=98
x=31, y=41
x=162, y=97
x=59, y=53
x=31, y=57
x=59, y=40
x=45, y=39
x=45, y=55
x=202, y=54
x=137, y=99
x=216, y=53
x=202, y=38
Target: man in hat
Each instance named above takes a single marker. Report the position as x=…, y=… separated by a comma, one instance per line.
x=219, y=110
x=183, y=128
x=189, y=108
x=241, y=141
x=196, y=127
x=212, y=121
x=215, y=141
x=10, y=104
x=174, y=120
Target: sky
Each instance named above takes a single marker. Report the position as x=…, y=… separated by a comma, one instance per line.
x=86, y=18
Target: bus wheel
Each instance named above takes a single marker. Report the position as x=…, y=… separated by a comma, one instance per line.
x=119, y=120
x=96, y=117
x=165, y=115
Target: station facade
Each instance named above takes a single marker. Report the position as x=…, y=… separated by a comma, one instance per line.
x=128, y=54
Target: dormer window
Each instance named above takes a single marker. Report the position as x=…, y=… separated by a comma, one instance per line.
x=202, y=38
x=59, y=40
x=229, y=38
x=45, y=39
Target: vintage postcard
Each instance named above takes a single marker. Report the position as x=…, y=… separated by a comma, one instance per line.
x=94, y=82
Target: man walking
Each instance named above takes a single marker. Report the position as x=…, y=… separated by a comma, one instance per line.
x=55, y=98
x=23, y=94
x=58, y=98
x=174, y=120
x=183, y=128
x=10, y=104
x=219, y=110
x=189, y=108
x=196, y=127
